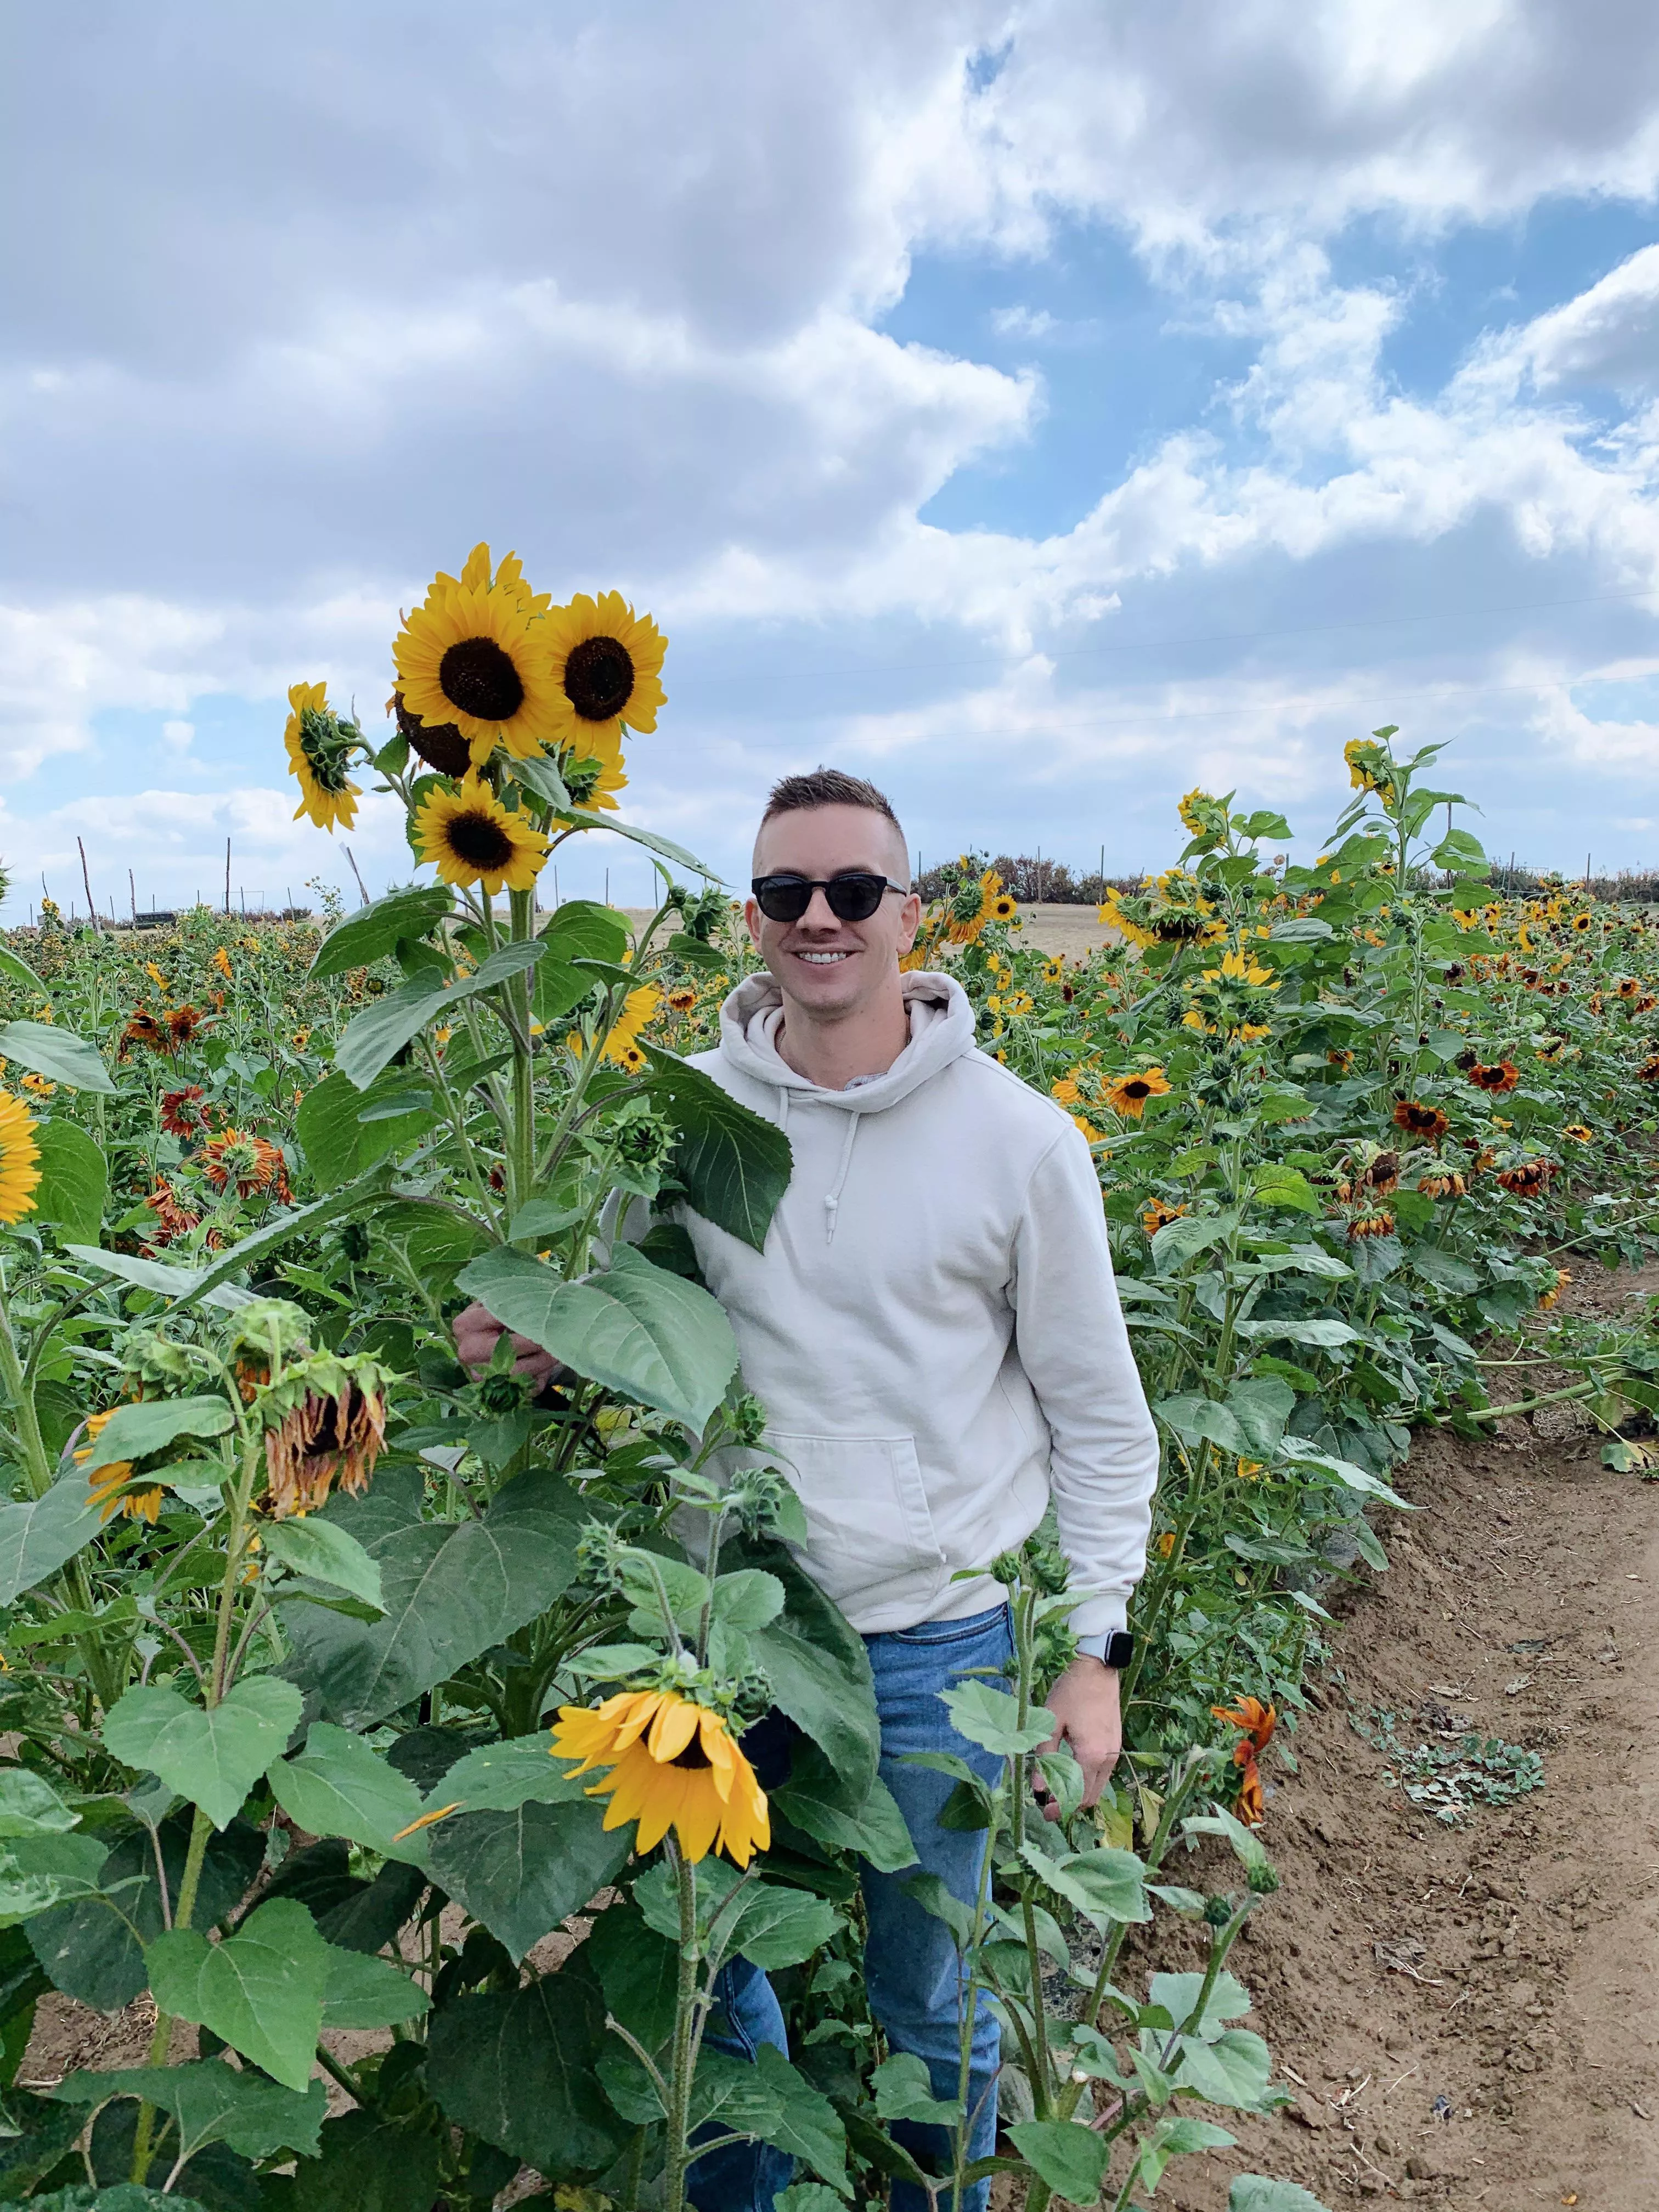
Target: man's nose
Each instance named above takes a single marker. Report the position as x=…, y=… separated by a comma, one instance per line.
x=818, y=914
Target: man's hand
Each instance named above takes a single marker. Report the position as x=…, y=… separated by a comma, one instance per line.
x=1084, y=1704
x=478, y=1332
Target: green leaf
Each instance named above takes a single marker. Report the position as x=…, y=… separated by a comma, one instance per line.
x=1261, y=1406
x=582, y=929
x=1105, y=1884
x=1325, y=1333
x=1235, y=2069
x=1352, y=1478
x=1196, y=1420
x=904, y=2091
x=773, y=1927
x=213, y=1287
x=874, y=1829
x=541, y=779
x=367, y=2164
x=1179, y=1994
x=819, y=1671
x=211, y=2102
x=747, y=1600
x=261, y=1991
x=1070, y=2158
x=339, y=1143
x=517, y=2070
x=93, y=1949
x=636, y=1328
x=639, y=1973
x=29, y=1806
x=340, y=1785
x=1288, y=1186
x=735, y=1165
x=1179, y=1240
x=177, y=1283
x=450, y=1590
x=1173, y=2137
x=58, y=1054
x=808, y=2124
x=499, y=1777
x=584, y=819
x=991, y=1719
x=40, y=1533
x=17, y=970
x=212, y=1757
x=1444, y=1270
x=74, y=1185
x=327, y=1554
x=371, y=1039
x=370, y=933
x=134, y=1432
x=1254, y=2192
x=524, y=1871
x=365, y=1992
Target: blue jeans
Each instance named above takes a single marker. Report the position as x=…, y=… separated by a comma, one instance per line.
x=913, y=1973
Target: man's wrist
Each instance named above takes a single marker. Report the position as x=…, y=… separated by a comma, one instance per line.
x=1112, y=1647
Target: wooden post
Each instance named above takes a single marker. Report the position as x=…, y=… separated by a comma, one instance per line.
x=92, y=909
x=227, y=875
x=132, y=896
x=361, y=886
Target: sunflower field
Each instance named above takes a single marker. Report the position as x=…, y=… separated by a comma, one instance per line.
x=387, y=1730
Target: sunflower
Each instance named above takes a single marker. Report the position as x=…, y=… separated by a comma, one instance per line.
x=234, y=1160
x=1158, y=1216
x=1500, y=1075
x=182, y=1024
x=1578, y=1132
x=1053, y=969
x=1527, y=1180
x=1002, y=907
x=20, y=1159
x=1372, y=1225
x=682, y=1000
x=1257, y=1723
x=324, y=1423
x=1129, y=1094
x=1442, y=1182
x=593, y=782
x=183, y=1114
x=476, y=658
x=673, y=1764
x=607, y=670
x=622, y=1043
x=1068, y=1090
x=319, y=745
x=1547, y=1298
x=222, y=962
x=472, y=839
x=1420, y=1120
x=107, y=1484
x=173, y=1218
x=1649, y=1071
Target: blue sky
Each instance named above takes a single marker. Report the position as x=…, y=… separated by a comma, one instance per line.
x=1040, y=408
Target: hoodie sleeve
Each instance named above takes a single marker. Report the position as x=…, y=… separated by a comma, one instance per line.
x=1074, y=1348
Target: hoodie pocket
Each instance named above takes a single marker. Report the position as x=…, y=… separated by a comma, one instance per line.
x=868, y=1523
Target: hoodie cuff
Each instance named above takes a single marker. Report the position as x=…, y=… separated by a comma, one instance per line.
x=1097, y=1619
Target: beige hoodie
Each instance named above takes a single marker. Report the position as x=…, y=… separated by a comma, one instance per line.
x=932, y=1326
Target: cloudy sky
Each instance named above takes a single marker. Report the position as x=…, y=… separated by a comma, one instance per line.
x=1040, y=408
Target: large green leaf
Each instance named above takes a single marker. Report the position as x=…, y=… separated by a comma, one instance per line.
x=253, y=1251
x=499, y=1777
x=17, y=970
x=814, y=1799
x=261, y=1991
x=991, y=1719
x=374, y=1037
x=734, y=1163
x=819, y=1670
x=212, y=1757
x=1072, y=2160
x=585, y=819
x=337, y=1143
x=370, y=934
x=92, y=1950
x=639, y=1973
x=38, y=1534
x=364, y=1992
x=582, y=929
x=518, y=2069
x=340, y=1785
x=807, y=2125
x=58, y=1054
x=312, y=1547
x=369, y=2164
x=450, y=1590
x=1254, y=2192
x=74, y=1181
x=133, y=1431
x=636, y=1328
x=523, y=1872
x=211, y=2102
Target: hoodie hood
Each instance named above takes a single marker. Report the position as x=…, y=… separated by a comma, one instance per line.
x=941, y=1031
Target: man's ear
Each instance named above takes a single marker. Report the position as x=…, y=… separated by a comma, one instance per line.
x=751, y=916
x=909, y=921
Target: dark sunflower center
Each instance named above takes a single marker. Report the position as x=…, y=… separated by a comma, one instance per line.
x=1137, y=1089
x=694, y=1756
x=478, y=676
x=598, y=678
x=478, y=839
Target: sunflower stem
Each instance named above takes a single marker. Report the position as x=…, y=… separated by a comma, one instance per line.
x=521, y=1162
x=685, y=2011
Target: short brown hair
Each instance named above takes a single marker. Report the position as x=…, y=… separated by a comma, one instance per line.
x=827, y=787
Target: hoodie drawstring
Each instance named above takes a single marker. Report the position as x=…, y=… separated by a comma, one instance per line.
x=832, y=1198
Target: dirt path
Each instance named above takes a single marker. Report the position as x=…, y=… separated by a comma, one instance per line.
x=1470, y=2014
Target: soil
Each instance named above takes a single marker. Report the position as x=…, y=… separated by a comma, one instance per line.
x=1465, y=2012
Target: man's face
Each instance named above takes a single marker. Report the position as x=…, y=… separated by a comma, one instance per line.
x=830, y=966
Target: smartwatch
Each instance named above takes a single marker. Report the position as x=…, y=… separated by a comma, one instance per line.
x=1115, y=1648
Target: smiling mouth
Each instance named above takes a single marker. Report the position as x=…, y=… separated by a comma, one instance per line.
x=823, y=959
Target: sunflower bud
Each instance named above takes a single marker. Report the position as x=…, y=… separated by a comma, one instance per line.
x=1263, y=1879
x=1217, y=1911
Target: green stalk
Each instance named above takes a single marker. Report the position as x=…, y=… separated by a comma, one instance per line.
x=685, y=2059
x=521, y=1149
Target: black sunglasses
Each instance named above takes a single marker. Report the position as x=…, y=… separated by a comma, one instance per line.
x=853, y=896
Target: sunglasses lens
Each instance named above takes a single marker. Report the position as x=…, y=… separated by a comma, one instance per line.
x=854, y=898
x=782, y=898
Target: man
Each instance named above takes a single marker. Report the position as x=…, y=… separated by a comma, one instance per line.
x=934, y=1329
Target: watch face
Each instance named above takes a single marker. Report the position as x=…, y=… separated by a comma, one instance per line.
x=1120, y=1648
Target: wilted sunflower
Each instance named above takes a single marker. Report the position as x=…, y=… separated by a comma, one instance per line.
x=107, y=1485
x=1578, y=1132
x=473, y=839
x=683, y=1000
x=183, y=1114
x=319, y=747
x=1420, y=1120
x=236, y=1160
x=673, y=1764
x=20, y=1159
x=1129, y=1093
x=607, y=670
x=1371, y=1224
x=173, y=1218
x=1649, y=1071
x=1158, y=1216
x=1527, y=1180
x=476, y=657
x=1500, y=1075
x=1546, y=1298
x=325, y=1422
x=1442, y=1182
x=182, y=1024
x=143, y=1029
x=1255, y=1723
